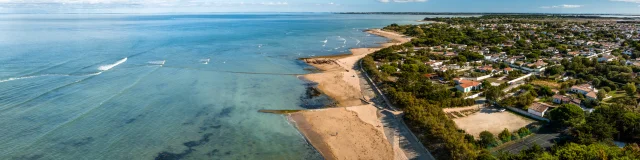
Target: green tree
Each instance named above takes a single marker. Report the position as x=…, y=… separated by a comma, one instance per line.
x=602, y=94
x=388, y=69
x=567, y=115
x=505, y=135
x=493, y=93
x=522, y=132
x=630, y=88
x=487, y=139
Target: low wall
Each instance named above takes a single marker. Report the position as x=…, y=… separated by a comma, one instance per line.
x=474, y=96
x=533, y=116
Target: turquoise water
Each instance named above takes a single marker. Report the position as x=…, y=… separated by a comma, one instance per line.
x=107, y=86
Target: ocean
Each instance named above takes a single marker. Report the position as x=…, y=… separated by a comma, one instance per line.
x=164, y=86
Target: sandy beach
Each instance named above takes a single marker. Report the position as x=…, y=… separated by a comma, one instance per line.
x=353, y=131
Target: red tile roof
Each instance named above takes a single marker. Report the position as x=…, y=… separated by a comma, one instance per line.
x=468, y=83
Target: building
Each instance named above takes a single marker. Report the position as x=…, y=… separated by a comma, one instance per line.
x=561, y=99
x=466, y=86
x=507, y=70
x=539, y=109
x=485, y=69
x=607, y=58
x=583, y=89
x=592, y=95
x=434, y=64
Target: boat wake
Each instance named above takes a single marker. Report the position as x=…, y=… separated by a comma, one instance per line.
x=110, y=66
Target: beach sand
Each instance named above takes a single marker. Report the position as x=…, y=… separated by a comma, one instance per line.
x=355, y=130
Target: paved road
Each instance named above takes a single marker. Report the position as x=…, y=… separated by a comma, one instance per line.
x=544, y=139
x=393, y=123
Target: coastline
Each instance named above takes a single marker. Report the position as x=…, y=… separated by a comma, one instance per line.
x=354, y=129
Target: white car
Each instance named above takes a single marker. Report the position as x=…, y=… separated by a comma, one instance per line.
x=502, y=110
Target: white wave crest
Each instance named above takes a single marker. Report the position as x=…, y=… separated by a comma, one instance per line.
x=205, y=61
x=108, y=67
x=29, y=77
x=17, y=78
x=357, y=41
x=157, y=62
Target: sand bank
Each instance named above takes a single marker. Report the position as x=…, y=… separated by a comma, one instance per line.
x=353, y=132
x=339, y=79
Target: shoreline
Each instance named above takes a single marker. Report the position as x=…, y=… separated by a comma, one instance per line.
x=353, y=130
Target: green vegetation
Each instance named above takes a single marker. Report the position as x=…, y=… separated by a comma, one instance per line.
x=505, y=135
x=567, y=115
x=422, y=102
x=520, y=41
x=487, y=139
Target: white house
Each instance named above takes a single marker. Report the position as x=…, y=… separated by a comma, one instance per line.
x=583, y=89
x=539, y=109
x=466, y=86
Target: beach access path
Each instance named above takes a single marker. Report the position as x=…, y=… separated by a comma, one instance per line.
x=394, y=126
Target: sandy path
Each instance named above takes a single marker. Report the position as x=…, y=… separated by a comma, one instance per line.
x=351, y=132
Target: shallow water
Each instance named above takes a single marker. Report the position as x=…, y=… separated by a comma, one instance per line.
x=106, y=86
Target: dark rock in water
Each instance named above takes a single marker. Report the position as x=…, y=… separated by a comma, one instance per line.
x=32, y=157
x=78, y=142
x=226, y=111
x=190, y=145
x=212, y=153
x=130, y=121
x=314, y=99
x=312, y=92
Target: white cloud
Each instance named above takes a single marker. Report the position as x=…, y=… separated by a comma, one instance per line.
x=328, y=4
x=401, y=1
x=565, y=6
x=630, y=1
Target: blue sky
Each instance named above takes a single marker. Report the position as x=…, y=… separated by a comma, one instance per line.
x=166, y=6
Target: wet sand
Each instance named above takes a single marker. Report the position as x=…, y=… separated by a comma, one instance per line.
x=353, y=131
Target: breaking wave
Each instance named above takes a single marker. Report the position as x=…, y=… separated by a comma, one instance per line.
x=205, y=61
x=108, y=67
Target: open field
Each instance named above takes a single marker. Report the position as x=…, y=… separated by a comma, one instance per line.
x=546, y=83
x=490, y=119
x=495, y=80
